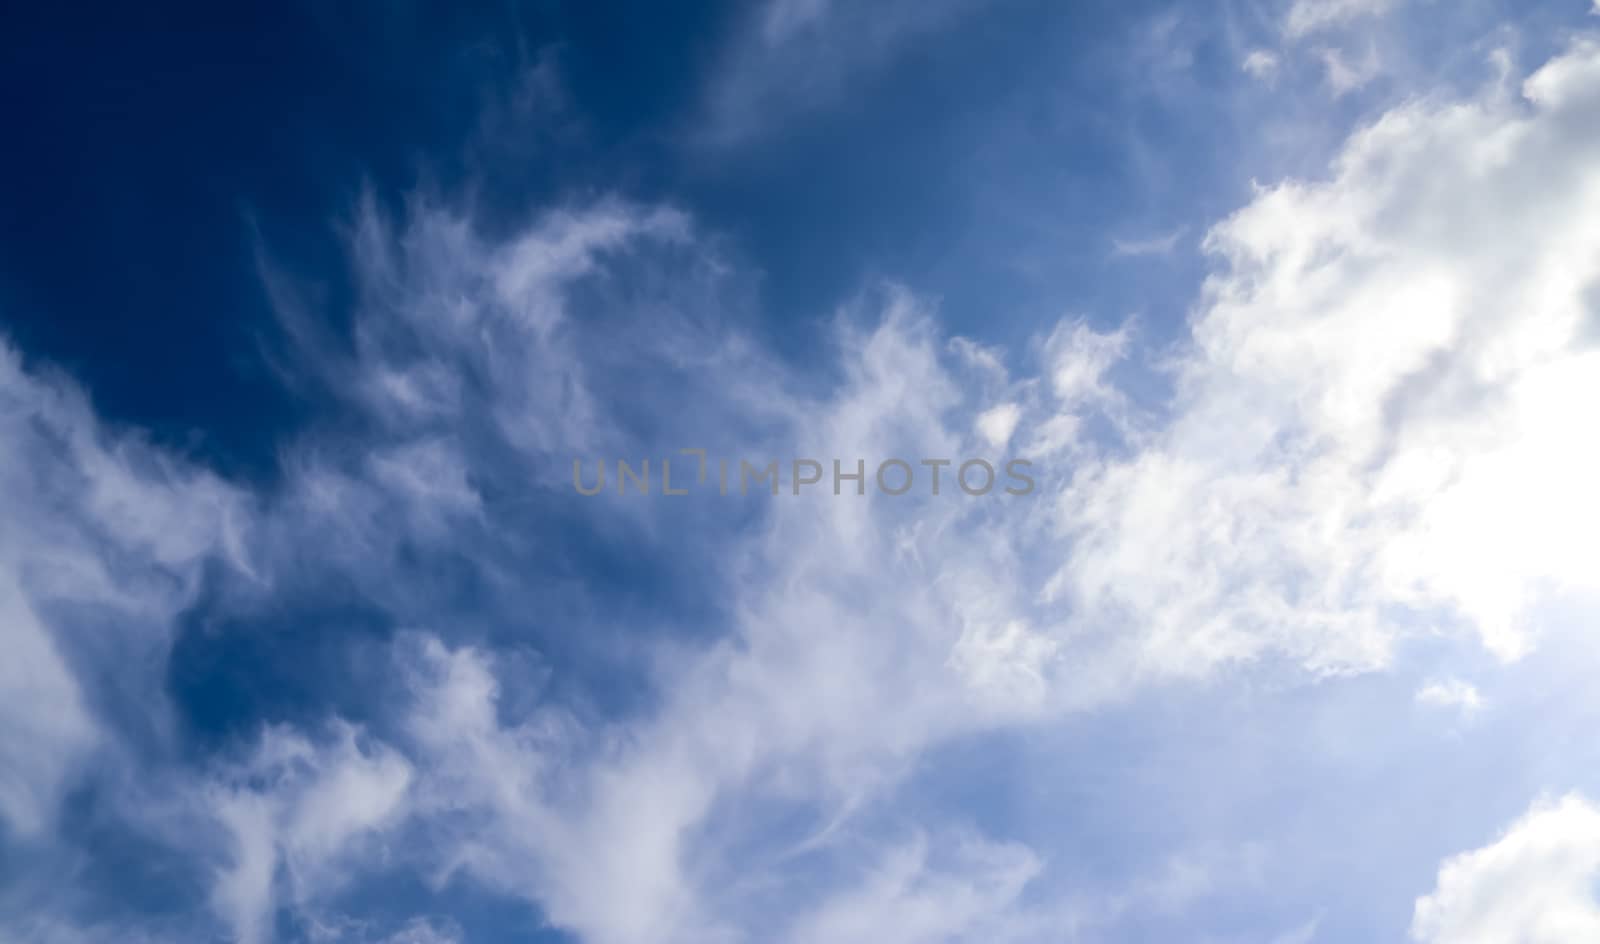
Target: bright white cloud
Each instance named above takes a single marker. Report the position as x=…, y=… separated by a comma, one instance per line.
x=1379, y=410
x=997, y=424
x=1534, y=885
x=1078, y=358
x=1452, y=693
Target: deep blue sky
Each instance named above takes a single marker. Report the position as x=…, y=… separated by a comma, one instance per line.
x=151, y=156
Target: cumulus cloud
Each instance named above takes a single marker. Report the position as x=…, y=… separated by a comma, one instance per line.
x=1533, y=885
x=1383, y=377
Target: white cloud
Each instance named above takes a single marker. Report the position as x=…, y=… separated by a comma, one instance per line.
x=1345, y=74
x=46, y=726
x=1454, y=694
x=1261, y=64
x=1534, y=885
x=905, y=898
x=1383, y=374
x=95, y=521
x=997, y=424
x=424, y=931
x=1162, y=245
x=1311, y=16
x=298, y=807
x=1078, y=358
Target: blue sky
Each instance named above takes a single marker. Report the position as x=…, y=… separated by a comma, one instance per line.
x=307, y=314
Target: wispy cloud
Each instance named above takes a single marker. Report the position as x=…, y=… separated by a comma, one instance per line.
x=1311, y=16
x=1453, y=694
x=1345, y=74
x=1261, y=64
x=793, y=56
x=99, y=523
x=1161, y=245
x=1354, y=410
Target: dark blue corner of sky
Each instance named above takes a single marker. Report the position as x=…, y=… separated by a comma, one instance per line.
x=151, y=150
x=153, y=154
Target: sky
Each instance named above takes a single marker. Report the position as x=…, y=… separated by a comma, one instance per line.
x=318, y=323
